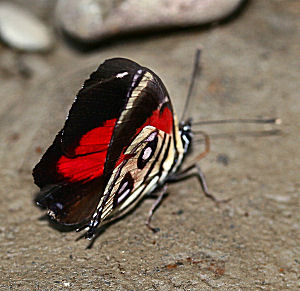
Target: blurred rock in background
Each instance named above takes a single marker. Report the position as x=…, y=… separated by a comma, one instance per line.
x=28, y=25
x=93, y=20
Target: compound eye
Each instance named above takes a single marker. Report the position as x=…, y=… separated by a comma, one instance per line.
x=148, y=151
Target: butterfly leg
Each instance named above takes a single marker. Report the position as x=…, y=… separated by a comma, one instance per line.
x=204, y=187
x=160, y=196
x=185, y=174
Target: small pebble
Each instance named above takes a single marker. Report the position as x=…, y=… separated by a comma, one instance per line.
x=22, y=30
x=223, y=159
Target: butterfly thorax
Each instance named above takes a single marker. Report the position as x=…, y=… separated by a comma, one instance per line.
x=185, y=130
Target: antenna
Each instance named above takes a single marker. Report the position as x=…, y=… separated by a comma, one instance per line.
x=240, y=120
x=196, y=70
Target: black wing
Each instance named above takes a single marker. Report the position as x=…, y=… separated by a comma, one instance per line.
x=70, y=195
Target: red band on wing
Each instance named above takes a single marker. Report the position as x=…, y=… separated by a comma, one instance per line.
x=91, y=154
x=97, y=139
x=161, y=120
x=82, y=168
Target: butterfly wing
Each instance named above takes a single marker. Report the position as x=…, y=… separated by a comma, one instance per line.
x=70, y=174
x=119, y=142
x=146, y=148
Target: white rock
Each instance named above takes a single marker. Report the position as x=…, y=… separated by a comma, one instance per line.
x=22, y=30
x=90, y=20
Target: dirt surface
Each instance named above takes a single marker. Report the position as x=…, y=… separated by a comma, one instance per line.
x=250, y=69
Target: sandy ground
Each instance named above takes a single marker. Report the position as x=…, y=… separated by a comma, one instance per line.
x=250, y=69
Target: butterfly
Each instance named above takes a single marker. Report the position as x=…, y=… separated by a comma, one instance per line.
x=120, y=142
